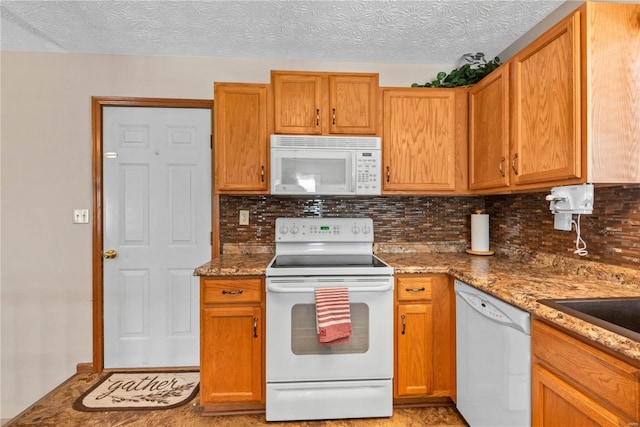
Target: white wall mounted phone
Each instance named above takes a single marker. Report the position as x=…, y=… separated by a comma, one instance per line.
x=568, y=200
x=571, y=199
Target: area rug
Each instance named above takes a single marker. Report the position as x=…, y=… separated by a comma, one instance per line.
x=129, y=391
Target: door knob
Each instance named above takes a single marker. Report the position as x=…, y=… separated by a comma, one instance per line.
x=110, y=254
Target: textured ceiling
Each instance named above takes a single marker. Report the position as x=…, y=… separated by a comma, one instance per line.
x=425, y=32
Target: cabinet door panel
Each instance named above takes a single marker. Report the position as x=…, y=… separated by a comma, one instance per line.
x=241, y=141
x=489, y=131
x=231, y=354
x=547, y=107
x=298, y=105
x=419, y=140
x=353, y=103
x=415, y=352
x=556, y=403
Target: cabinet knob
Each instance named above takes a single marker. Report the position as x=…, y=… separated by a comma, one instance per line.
x=502, y=159
x=388, y=174
x=317, y=117
x=236, y=292
x=262, y=173
x=414, y=289
x=333, y=116
x=404, y=324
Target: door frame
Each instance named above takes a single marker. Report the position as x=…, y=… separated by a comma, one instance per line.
x=97, y=103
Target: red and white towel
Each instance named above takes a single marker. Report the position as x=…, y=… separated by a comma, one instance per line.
x=333, y=315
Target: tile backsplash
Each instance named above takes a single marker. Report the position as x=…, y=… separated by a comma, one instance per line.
x=396, y=220
x=612, y=232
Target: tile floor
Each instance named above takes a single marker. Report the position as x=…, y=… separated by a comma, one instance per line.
x=55, y=410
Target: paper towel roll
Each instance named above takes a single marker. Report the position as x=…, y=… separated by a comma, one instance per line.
x=480, y=232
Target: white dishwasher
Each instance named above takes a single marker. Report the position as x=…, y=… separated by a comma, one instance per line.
x=493, y=360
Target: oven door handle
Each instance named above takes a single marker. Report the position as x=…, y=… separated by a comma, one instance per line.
x=272, y=287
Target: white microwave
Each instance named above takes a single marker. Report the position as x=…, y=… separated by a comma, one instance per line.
x=329, y=165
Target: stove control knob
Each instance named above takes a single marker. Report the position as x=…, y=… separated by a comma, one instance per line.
x=366, y=229
x=355, y=229
x=284, y=229
x=294, y=229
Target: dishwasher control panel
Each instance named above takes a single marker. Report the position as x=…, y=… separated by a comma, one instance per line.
x=494, y=308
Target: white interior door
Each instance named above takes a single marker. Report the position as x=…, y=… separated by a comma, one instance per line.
x=157, y=218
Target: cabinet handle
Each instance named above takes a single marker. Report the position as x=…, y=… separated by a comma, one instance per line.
x=236, y=292
x=502, y=159
x=255, y=327
x=404, y=324
x=333, y=116
x=317, y=117
x=388, y=174
x=414, y=289
x=513, y=164
x=262, y=173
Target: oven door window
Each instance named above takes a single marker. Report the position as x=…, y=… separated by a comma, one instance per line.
x=304, y=335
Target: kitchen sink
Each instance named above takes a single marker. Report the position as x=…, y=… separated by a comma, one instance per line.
x=619, y=315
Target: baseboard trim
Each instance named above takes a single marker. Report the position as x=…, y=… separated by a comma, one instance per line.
x=84, y=368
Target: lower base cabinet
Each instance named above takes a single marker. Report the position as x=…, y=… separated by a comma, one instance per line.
x=575, y=384
x=424, y=339
x=231, y=345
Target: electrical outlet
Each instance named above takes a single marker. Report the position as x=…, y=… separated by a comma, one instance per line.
x=562, y=221
x=243, y=217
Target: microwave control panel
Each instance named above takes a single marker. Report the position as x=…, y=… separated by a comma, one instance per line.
x=368, y=174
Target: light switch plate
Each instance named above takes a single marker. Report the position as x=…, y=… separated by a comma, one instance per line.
x=81, y=216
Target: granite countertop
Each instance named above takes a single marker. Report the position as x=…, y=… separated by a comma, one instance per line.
x=520, y=281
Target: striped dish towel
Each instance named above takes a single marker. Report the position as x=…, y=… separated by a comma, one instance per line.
x=333, y=316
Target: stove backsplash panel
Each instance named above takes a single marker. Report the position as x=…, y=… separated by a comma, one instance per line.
x=396, y=220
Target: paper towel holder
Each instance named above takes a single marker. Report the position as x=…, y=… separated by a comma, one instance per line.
x=481, y=253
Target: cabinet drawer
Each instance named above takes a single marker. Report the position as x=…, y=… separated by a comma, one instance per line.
x=596, y=373
x=231, y=290
x=415, y=288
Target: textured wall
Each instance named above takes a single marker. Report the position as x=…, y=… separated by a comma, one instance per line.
x=612, y=232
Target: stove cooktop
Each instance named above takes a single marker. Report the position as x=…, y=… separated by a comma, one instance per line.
x=328, y=265
x=325, y=247
x=326, y=261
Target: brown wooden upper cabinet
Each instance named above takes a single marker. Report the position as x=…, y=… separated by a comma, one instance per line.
x=241, y=138
x=524, y=118
x=546, y=120
x=489, y=131
x=573, y=109
x=424, y=146
x=611, y=40
x=314, y=103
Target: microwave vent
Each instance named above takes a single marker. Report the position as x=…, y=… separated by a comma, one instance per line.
x=337, y=142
